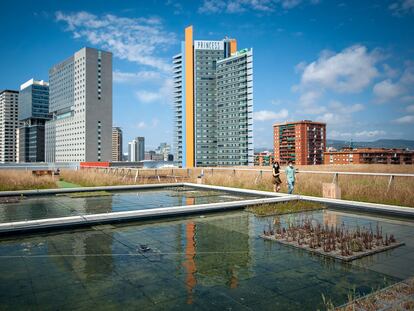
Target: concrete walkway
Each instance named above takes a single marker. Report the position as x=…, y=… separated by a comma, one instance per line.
x=103, y=218
x=267, y=197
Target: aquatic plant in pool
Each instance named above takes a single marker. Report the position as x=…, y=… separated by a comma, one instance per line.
x=293, y=206
x=339, y=242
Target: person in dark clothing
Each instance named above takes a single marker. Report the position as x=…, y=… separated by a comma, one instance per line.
x=276, y=176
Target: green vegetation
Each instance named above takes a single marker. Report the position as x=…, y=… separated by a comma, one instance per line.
x=66, y=184
x=195, y=194
x=289, y=207
x=87, y=194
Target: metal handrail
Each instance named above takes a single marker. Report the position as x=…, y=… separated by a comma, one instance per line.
x=209, y=169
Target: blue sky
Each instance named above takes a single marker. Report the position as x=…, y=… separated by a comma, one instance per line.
x=348, y=63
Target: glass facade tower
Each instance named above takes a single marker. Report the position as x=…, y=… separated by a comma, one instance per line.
x=202, y=103
x=33, y=113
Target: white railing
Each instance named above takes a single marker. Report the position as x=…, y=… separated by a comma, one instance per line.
x=260, y=171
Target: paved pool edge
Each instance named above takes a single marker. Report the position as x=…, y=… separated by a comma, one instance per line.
x=104, y=218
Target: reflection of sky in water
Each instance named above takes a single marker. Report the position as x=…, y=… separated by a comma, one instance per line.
x=213, y=262
x=61, y=206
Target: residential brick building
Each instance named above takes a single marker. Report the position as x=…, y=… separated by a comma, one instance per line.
x=369, y=156
x=263, y=158
x=302, y=142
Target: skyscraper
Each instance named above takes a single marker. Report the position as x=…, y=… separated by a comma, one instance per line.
x=81, y=107
x=132, y=151
x=33, y=113
x=302, y=142
x=213, y=101
x=136, y=149
x=141, y=148
x=116, y=144
x=9, y=124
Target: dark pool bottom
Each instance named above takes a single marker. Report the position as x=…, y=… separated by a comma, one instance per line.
x=202, y=263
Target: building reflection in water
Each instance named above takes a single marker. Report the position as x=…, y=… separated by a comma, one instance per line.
x=189, y=262
x=217, y=252
x=86, y=246
x=331, y=218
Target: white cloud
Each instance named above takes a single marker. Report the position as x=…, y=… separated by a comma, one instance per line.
x=339, y=114
x=342, y=109
x=163, y=95
x=407, y=77
x=289, y=4
x=389, y=71
x=134, y=39
x=147, y=96
x=155, y=122
x=400, y=90
x=401, y=7
x=144, y=125
x=276, y=102
x=329, y=117
x=407, y=99
x=369, y=134
x=309, y=102
x=386, y=91
x=349, y=71
x=239, y=6
x=266, y=115
x=408, y=119
x=358, y=135
x=338, y=135
x=141, y=125
x=135, y=77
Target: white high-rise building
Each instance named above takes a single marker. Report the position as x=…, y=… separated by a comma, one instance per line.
x=132, y=151
x=80, y=95
x=136, y=149
x=9, y=124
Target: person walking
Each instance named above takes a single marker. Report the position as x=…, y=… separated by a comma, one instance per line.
x=290, y=177
x=276, y=176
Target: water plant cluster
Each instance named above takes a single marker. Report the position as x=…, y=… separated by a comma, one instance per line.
x=336, y=240
x=281, y=208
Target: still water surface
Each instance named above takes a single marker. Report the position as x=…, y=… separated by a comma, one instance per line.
x=216, y=262
x=63, y=205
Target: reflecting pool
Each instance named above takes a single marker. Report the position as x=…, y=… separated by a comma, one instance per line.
x=216, y=262
x=51, y=206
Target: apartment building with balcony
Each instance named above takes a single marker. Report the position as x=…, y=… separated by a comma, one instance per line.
x=302, y=142
x=369, y=156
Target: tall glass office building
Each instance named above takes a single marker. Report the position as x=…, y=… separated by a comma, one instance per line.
x=136, y=149
x=213, y=101
x=33, y=113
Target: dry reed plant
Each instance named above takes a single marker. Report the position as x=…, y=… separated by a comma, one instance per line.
x=90, y=178
x=358, y=188
x=372, y=168
x=20, y=180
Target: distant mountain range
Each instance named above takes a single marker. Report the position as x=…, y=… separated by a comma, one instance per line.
x=380, y=143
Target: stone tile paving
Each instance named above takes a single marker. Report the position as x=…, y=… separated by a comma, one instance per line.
x=399, y=296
